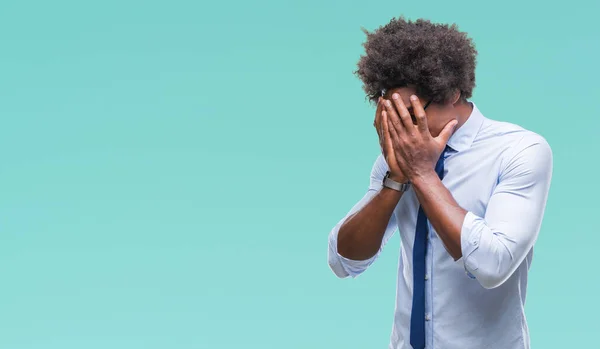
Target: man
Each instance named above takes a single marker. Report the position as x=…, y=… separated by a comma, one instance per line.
x=466, y=193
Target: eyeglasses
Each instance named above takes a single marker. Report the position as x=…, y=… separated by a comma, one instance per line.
x=427, y=104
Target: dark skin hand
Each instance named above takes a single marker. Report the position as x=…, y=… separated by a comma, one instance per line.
x=416, y=152
x=360, y=236
x=386, y=145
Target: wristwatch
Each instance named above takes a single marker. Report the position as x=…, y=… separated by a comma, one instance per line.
x=389, y=183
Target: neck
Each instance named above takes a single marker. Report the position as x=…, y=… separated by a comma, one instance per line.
x=464, y=109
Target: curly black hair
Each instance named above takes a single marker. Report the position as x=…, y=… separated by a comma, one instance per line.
x=437, y=58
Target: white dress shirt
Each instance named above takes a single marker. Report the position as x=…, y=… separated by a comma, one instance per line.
x=500, y=173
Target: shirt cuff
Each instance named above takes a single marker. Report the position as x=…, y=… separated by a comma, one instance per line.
x=354, y=267
x=470, y=236
x=343, y=266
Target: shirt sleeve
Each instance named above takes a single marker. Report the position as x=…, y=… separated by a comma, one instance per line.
x=344, y=267
x=495, y=245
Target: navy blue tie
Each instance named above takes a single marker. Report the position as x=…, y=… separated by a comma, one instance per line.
x=417, y=317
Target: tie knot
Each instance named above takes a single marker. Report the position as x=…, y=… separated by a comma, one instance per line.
x=447, y=149
x=443, y=154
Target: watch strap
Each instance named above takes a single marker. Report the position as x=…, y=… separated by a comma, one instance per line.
x=392, y=184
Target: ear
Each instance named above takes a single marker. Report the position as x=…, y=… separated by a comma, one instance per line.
x=455, y=96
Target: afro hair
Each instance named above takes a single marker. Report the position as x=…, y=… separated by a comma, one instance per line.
x=437, y=59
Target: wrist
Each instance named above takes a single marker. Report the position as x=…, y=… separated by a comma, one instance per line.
x=420, y=179
x=398, y=178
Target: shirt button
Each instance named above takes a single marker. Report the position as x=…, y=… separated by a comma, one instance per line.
x=475, y=242
x=426, y=276
x=427, y=318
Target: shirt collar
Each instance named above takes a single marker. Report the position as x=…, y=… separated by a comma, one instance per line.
x=464, y=136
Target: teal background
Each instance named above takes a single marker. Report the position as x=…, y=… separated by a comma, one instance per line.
x=171, y=169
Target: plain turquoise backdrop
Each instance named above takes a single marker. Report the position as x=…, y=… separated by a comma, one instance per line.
x=170, y=170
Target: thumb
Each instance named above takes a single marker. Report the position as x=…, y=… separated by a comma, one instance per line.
x=444, y=136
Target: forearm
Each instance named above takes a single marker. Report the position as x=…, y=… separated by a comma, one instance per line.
x=361, y=235
x=444, y=213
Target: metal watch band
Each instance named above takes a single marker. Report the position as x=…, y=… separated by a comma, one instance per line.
x=389, y=183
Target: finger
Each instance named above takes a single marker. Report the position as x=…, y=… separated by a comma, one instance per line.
x=378, y=113
x=420, y=115
x=391, y=139
x=392, y=134
x=446, y=132
x=403, y=112
x=393, y=118
x=387, y=141
x=377, y=123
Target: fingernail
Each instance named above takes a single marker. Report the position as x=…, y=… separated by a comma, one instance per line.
x=413, y=97
x=389, y=104
x=395, y=96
